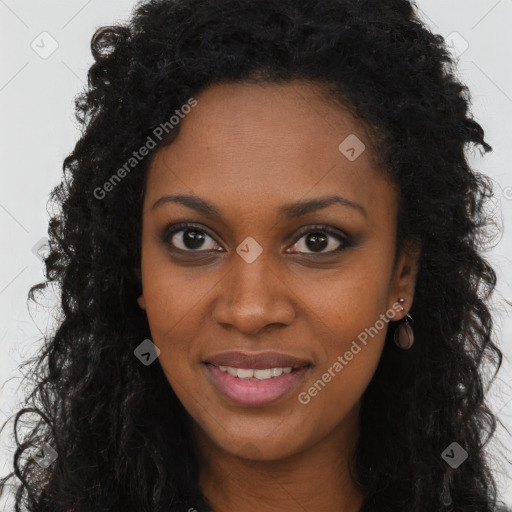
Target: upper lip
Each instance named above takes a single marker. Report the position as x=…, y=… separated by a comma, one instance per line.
x=256, y=360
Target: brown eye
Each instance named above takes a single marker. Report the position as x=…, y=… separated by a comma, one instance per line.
x=190, y=238
x=316, y=240
x=320, y=240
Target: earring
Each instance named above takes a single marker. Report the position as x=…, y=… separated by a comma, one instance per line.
x=404, y=335
x=446, y=497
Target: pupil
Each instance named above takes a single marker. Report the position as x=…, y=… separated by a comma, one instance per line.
x=193, y=239
x=315, y=239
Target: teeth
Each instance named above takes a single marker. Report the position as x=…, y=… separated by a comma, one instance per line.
x=261, y=374
x=231, y=371
x=244, y=374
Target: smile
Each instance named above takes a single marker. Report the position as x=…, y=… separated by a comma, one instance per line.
x=255, y=373
x=255, y=387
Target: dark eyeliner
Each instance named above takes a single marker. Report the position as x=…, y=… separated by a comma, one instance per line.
x=170, y=230
x=346, y=241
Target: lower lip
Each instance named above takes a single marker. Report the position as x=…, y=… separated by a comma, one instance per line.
x=253, y=393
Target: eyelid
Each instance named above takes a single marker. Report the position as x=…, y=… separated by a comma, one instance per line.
x=343, y=238
x=171, y=230
x=326, y=228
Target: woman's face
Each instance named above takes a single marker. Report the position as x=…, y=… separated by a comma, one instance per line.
x=257, y=274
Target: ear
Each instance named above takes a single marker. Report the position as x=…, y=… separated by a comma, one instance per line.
x=404, y=277
x=141, y=302
x=140, y=299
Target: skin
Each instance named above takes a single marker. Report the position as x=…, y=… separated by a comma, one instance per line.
x=249, y=149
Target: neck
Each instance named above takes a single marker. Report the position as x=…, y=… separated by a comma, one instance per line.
x=313, y=479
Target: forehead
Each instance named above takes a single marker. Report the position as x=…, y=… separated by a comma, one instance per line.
x=264, y=144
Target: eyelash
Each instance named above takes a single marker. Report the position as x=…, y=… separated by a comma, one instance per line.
x=345, y=241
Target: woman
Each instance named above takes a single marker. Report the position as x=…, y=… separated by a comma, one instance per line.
x=273, y=292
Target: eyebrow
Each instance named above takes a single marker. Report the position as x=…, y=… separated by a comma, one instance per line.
x=290, y=210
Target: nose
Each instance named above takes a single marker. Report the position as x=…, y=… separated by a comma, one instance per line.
x=253, y=296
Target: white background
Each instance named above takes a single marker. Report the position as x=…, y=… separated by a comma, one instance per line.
x=38, y=131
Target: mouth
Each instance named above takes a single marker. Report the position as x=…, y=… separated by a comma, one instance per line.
x=255, y=387
x=256, y=360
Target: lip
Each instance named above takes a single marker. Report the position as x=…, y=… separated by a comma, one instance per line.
x=254, y=393
x=256, y=360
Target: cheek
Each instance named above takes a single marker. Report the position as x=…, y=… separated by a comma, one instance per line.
x=174, y=296
x=351, y=348
x=176, y=301
x=175, y=318
x=349, y=315
x=349, y=301
x=172, y=308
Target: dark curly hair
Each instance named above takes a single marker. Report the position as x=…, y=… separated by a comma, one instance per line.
x=121, y=434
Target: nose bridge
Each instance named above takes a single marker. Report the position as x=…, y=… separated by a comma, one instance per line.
x=251, y=281
x=252, y=295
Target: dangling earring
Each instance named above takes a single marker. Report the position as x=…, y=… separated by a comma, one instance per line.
x=404, y=335
x=446, y=497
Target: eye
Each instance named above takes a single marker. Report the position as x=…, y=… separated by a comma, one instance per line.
x=193, y=238
x=317, y=240
x=189, y=238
